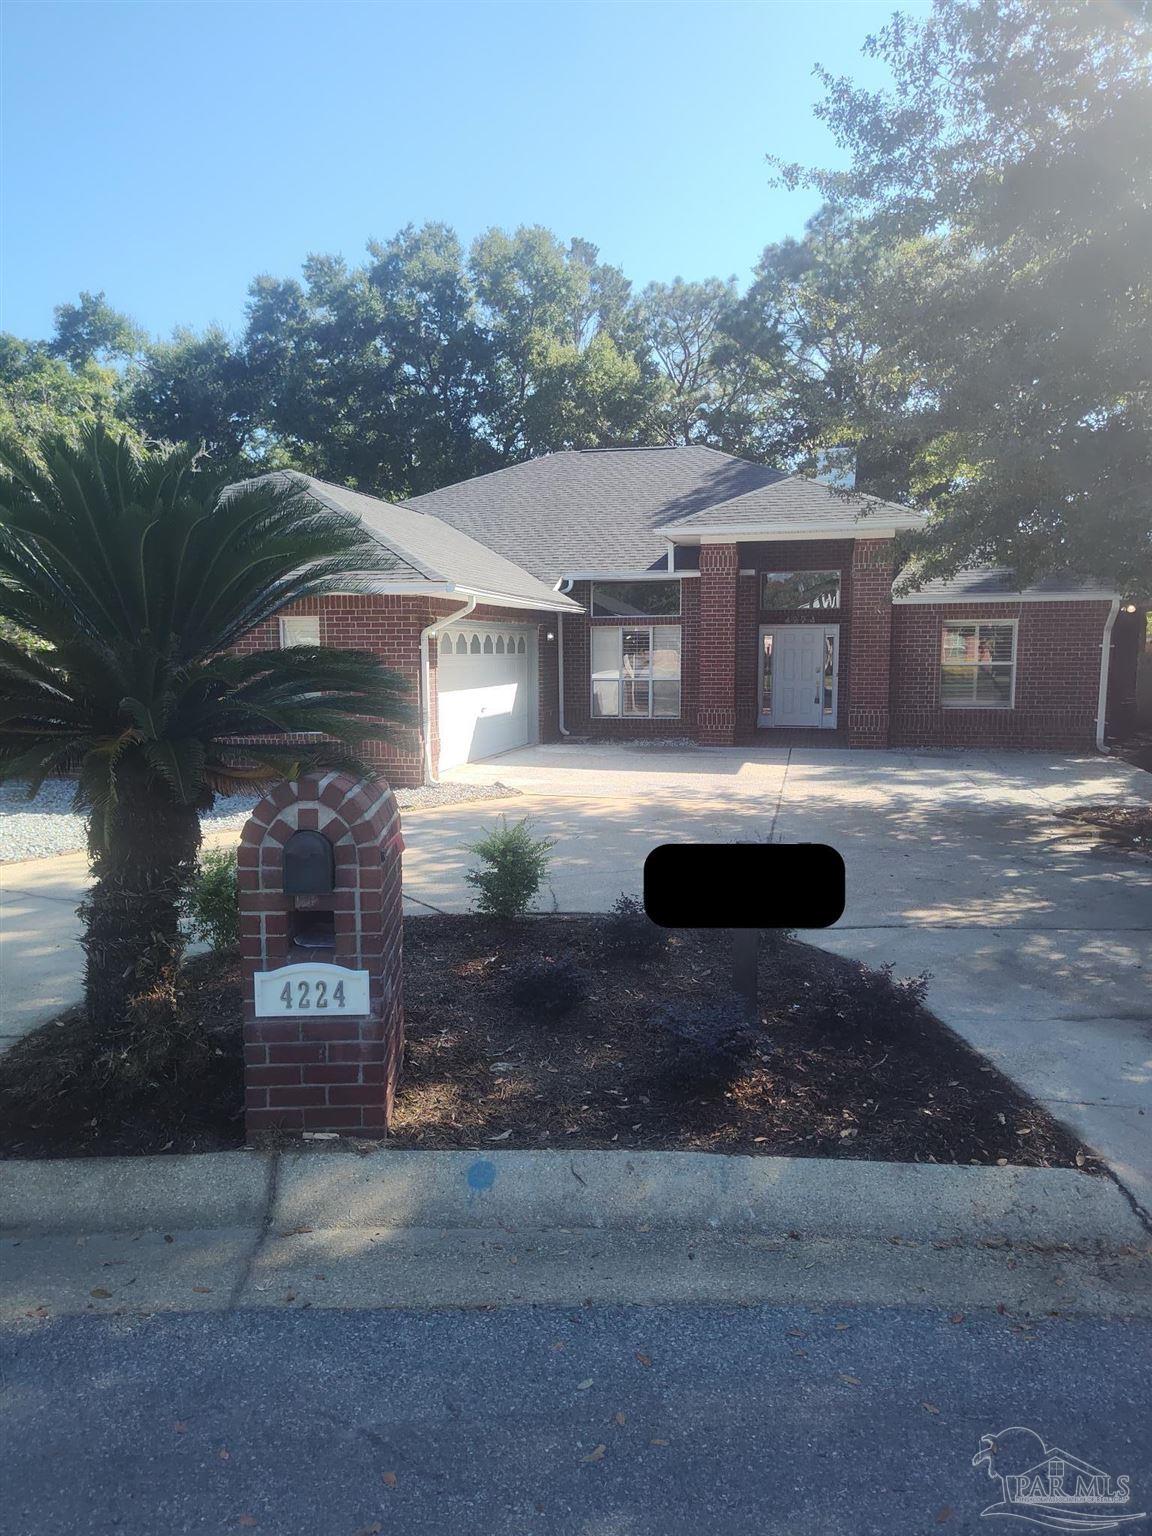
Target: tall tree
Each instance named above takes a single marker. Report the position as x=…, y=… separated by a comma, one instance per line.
x=1008, y=170
x=719, y=367
x=39, y=391
x=139, y=574
x=843, y=397
x=91, y=331
x=196, y=388
x=567, y=362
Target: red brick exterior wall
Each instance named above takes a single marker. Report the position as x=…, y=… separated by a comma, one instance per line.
x=390, y=625
x=719, y=606
x=311, y=1070
x=871, y=625
x=1058, y=649
x=888, y=686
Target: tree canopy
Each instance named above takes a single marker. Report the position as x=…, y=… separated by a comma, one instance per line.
x=1002, y=190
x=966, y=323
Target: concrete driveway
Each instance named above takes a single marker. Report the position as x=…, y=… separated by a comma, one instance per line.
x=1039, y=942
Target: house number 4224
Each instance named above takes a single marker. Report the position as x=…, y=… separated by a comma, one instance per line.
x=310, y=988
x=308, y=995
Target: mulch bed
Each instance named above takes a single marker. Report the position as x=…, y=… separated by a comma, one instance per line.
x=1120, y=826
x=848, y=1063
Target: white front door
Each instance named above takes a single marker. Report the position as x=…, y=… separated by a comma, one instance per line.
x=798, y=664
x=484, y=684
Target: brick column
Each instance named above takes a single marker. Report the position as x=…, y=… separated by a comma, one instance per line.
x=719, y=564
x=318, y=1070
x=871, y=643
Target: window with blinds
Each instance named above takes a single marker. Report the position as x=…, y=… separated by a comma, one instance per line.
x=636, y=672
x=977, y=664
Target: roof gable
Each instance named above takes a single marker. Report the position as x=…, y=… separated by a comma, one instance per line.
x=593, y=509
x=422, y=549
x=795, y=504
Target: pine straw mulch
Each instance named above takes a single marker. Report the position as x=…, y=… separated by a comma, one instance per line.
x=851, y=1065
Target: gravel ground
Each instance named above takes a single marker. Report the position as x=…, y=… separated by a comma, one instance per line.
x=47, y=825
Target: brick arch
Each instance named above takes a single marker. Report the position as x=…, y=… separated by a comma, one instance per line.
x=324, y=1073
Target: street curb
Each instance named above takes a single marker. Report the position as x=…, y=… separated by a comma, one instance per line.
x=624, y=1191
x=135, y=1194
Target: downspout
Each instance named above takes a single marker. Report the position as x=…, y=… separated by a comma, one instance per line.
x=563, y=587
x=1105, y=659
x=427, y=634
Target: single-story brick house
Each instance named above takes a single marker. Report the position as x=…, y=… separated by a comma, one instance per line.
x=684, y=593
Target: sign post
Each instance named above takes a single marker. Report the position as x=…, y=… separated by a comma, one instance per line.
x=744, y=887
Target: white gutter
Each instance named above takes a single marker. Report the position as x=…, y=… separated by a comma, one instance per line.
x=930, y=599
x=454, y=589
x=563, y=585
x=1105, y=660
x=426, y=634
x=764, y=533
x=620, y=575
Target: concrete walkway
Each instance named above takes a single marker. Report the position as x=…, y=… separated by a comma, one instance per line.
x=1038, y=940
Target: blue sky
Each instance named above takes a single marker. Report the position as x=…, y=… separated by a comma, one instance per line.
x=168, y=152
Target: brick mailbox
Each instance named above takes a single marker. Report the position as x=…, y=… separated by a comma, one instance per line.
x=321, y=940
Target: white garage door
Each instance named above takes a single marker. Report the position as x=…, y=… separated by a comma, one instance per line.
x=483, y=679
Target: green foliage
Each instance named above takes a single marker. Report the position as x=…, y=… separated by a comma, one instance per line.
x=92, y=331
x=211, y=906
x=1002, y=190
x=514, y=865
x=140, y=573
x=40, y=392
x=967, y=322
x=861, y=997
x=720, y=369
x=194, y=389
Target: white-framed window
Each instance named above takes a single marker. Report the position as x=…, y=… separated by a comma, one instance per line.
x=978, y=663
x=300, y=629
x=636, y=672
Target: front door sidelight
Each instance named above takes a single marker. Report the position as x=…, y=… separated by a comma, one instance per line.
x=798, y=675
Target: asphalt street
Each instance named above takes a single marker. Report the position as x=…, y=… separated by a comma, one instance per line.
x=601, y=1421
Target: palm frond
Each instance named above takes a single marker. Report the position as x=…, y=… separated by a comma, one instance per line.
x=140, y=570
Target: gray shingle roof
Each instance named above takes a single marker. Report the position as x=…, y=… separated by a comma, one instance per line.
x=594, y=510
x=997, y=584
x=794, y=501
x=427, y=549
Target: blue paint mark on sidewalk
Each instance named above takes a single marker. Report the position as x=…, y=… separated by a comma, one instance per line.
x=481, y=1175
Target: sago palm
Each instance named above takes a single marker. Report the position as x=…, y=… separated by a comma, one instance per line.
x=139, y=571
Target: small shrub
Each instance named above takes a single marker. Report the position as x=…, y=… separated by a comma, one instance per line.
x=709, y=1040
x=548, y=986
x=211, y=904
x=631, y=933
x=863, y=998
x=514, y=867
